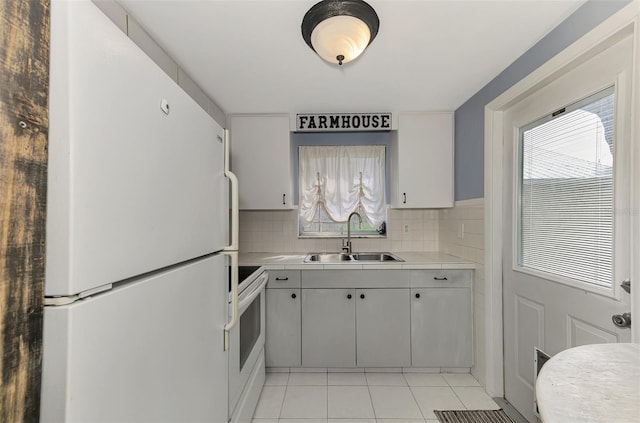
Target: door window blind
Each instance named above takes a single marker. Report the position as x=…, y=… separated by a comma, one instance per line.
x=566, y=204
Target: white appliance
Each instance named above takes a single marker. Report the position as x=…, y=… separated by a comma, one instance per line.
x=137, y=318
x=246, y=350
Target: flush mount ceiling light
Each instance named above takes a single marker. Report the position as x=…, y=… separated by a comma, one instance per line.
x=340, y=30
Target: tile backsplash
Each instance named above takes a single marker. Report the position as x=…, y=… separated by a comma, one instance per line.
x=277, y=231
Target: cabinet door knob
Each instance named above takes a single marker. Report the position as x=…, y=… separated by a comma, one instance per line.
x=417, y=295
x=293, y=296
x=348, y=296
x=283, y=198
x=404, y=198
x=362, y=296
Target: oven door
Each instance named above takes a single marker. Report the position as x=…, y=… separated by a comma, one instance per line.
x=247, y=338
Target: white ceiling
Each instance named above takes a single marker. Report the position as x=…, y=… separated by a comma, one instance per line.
x=249, y=56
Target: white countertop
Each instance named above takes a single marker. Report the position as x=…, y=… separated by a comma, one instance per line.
x=591, y=383
x=412, y=260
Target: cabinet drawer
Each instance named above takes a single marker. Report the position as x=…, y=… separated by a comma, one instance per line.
x=355, y=278
x=445, y=278
x=284, y=279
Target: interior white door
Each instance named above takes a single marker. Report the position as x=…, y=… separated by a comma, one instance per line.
x=549, y=312
x=148, y=351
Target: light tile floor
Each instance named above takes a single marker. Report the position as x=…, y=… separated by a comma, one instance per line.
x=366, y=397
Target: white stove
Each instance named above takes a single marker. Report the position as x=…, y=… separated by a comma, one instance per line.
x=246, y=350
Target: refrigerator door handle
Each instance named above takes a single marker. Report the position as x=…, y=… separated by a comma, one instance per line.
x=232, y=249
x=234, y=297
x=235, y=206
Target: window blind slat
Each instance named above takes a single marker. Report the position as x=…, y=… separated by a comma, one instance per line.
x=566, y=217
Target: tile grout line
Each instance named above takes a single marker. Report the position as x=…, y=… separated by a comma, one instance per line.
x=414, y=398
x=459, y=399
x=375, y=417
x=455, y=393
x=286, y=387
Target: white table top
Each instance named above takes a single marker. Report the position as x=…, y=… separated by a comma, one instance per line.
x=591, y=383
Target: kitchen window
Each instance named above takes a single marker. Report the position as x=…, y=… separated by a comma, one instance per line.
x=336, y=180
x=566, y=193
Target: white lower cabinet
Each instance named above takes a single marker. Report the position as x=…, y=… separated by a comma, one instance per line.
x=383, y=328
x=349, y=328
x=337, y=319
x=282, y=337
x=441, y=327
x=328, y=328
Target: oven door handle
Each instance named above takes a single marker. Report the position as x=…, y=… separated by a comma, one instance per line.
x=256, y=288
x=234, y=297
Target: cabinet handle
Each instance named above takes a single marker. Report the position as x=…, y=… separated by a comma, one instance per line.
x=443, y=278
x=282, y=279
x=348, y=296
x=293, y=296
x=362, y=296
x=417, y=295
x=283, y=197
x=404, y=198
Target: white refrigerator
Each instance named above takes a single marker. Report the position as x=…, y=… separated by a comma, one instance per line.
x=138, y=241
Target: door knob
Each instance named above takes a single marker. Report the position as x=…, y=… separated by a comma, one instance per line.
x=362, y=296
x=622, y=320
x=293, y=296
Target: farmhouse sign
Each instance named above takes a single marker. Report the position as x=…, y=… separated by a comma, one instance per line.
x=323, y=122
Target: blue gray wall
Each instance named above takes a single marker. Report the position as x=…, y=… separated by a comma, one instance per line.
x=469, y=118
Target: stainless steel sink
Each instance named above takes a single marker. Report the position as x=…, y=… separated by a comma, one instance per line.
x=375, y=257
x=327, y=258
x=351, y=258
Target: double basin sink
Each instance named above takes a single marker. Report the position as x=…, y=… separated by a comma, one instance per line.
x=351, y=258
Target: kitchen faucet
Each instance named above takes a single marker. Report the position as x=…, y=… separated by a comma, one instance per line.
x=347, y=248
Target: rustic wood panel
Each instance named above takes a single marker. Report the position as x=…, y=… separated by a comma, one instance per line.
x=24, y=86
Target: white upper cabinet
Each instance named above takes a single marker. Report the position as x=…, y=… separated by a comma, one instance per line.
x=422, y=161
x=261, y=159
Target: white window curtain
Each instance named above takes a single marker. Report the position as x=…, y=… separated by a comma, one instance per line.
x=341, y=180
